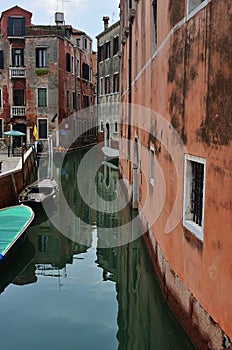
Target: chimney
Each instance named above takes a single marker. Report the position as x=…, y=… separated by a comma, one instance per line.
x=106, y=22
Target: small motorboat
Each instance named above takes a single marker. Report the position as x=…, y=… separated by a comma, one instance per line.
x=111, y=155
x=13, y=224
x=40, y=192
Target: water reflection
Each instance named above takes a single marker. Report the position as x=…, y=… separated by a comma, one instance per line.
x=109, y=297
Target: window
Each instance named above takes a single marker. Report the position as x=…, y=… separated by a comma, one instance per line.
x=78, y=42
x=73, y=65
x=0, y=98
x=101, y=87
x=41, y=57
x=16, y=26
x=154, y=25
x=17, y=57
x=107, y=50
x=1, y=59
x=116, y=82
x=115, y=45
x=86, y=101
x=67, y=99
x=68, y=63
x=1, y=128
x=107, y=85
x=101, y=53
x=74, y=100
x=85, y=43
x=136, y=58
x=90, y=74
x=194, y=193
x=42, y=97
x=78, y=68
x=152, y=165
x=67, y=33
x=85, y=71
x=18, y=97
x=115, y=127
x=43, y=243
x=43, y=128
x=192, y=4
x=78, y=101
x=101, y=126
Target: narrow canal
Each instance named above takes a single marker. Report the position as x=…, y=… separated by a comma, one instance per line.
x=69, y=291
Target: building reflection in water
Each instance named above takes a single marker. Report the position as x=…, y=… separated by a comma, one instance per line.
x=144, y=319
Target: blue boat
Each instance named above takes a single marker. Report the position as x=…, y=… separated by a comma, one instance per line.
x=13, y=224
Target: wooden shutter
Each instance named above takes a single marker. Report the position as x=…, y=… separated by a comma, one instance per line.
x=22, y=56
x=37, y=57
x=10, y=26
x=1, y=59
x=23, y=26
x=43, y=128
x=13, y=56
x=1, y=127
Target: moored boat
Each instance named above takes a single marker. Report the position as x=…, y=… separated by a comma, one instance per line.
x=111, y=155
x=39, y=193
x=13, y=224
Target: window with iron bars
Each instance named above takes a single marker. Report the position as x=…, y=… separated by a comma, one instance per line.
x=197, y=192
x=194, y=194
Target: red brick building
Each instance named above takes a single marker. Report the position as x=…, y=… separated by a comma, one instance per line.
x=176, y=66
x=46, y=73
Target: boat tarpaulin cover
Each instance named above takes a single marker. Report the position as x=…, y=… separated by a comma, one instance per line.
x=13, y=221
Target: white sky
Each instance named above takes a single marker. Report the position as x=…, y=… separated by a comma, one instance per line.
x=84, y=15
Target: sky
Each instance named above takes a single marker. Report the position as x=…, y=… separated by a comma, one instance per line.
x=84, y=15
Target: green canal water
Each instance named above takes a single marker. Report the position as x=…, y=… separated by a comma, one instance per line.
x=65, y=291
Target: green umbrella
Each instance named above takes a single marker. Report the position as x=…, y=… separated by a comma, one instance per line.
x=14, y=133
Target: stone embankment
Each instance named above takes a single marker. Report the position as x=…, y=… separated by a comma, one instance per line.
x=14, y=177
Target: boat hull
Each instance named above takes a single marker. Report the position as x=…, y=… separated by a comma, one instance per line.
x=13, y=222
x=39, y=193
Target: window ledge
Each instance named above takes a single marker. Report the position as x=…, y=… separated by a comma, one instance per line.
x=194, y=228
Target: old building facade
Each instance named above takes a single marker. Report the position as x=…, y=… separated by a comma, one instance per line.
x=176, y=66
x=108, y=72
x=46, y=73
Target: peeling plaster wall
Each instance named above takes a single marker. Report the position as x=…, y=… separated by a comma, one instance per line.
x=187, y=81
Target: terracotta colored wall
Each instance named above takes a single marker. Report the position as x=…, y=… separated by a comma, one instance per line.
x=188, y=83
x=14, y=11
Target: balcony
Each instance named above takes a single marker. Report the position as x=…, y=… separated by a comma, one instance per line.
x=17, y=72
x=17, y=111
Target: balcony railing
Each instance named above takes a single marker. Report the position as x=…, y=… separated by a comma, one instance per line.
x=17, y=111
x=17, y=72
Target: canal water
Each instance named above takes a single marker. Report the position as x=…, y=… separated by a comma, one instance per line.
x=70, y=288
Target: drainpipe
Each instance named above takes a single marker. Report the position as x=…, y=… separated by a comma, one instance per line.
x=129, y=83
x=75, y=76
x=134, y=175
x=98, y=86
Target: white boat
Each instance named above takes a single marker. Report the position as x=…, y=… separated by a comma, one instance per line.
x=39, y=192
x=111, y=154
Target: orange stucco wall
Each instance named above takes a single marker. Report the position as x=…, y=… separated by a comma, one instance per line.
x=187, y=82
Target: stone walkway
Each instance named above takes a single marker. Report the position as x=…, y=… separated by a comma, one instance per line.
x=8, y=163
